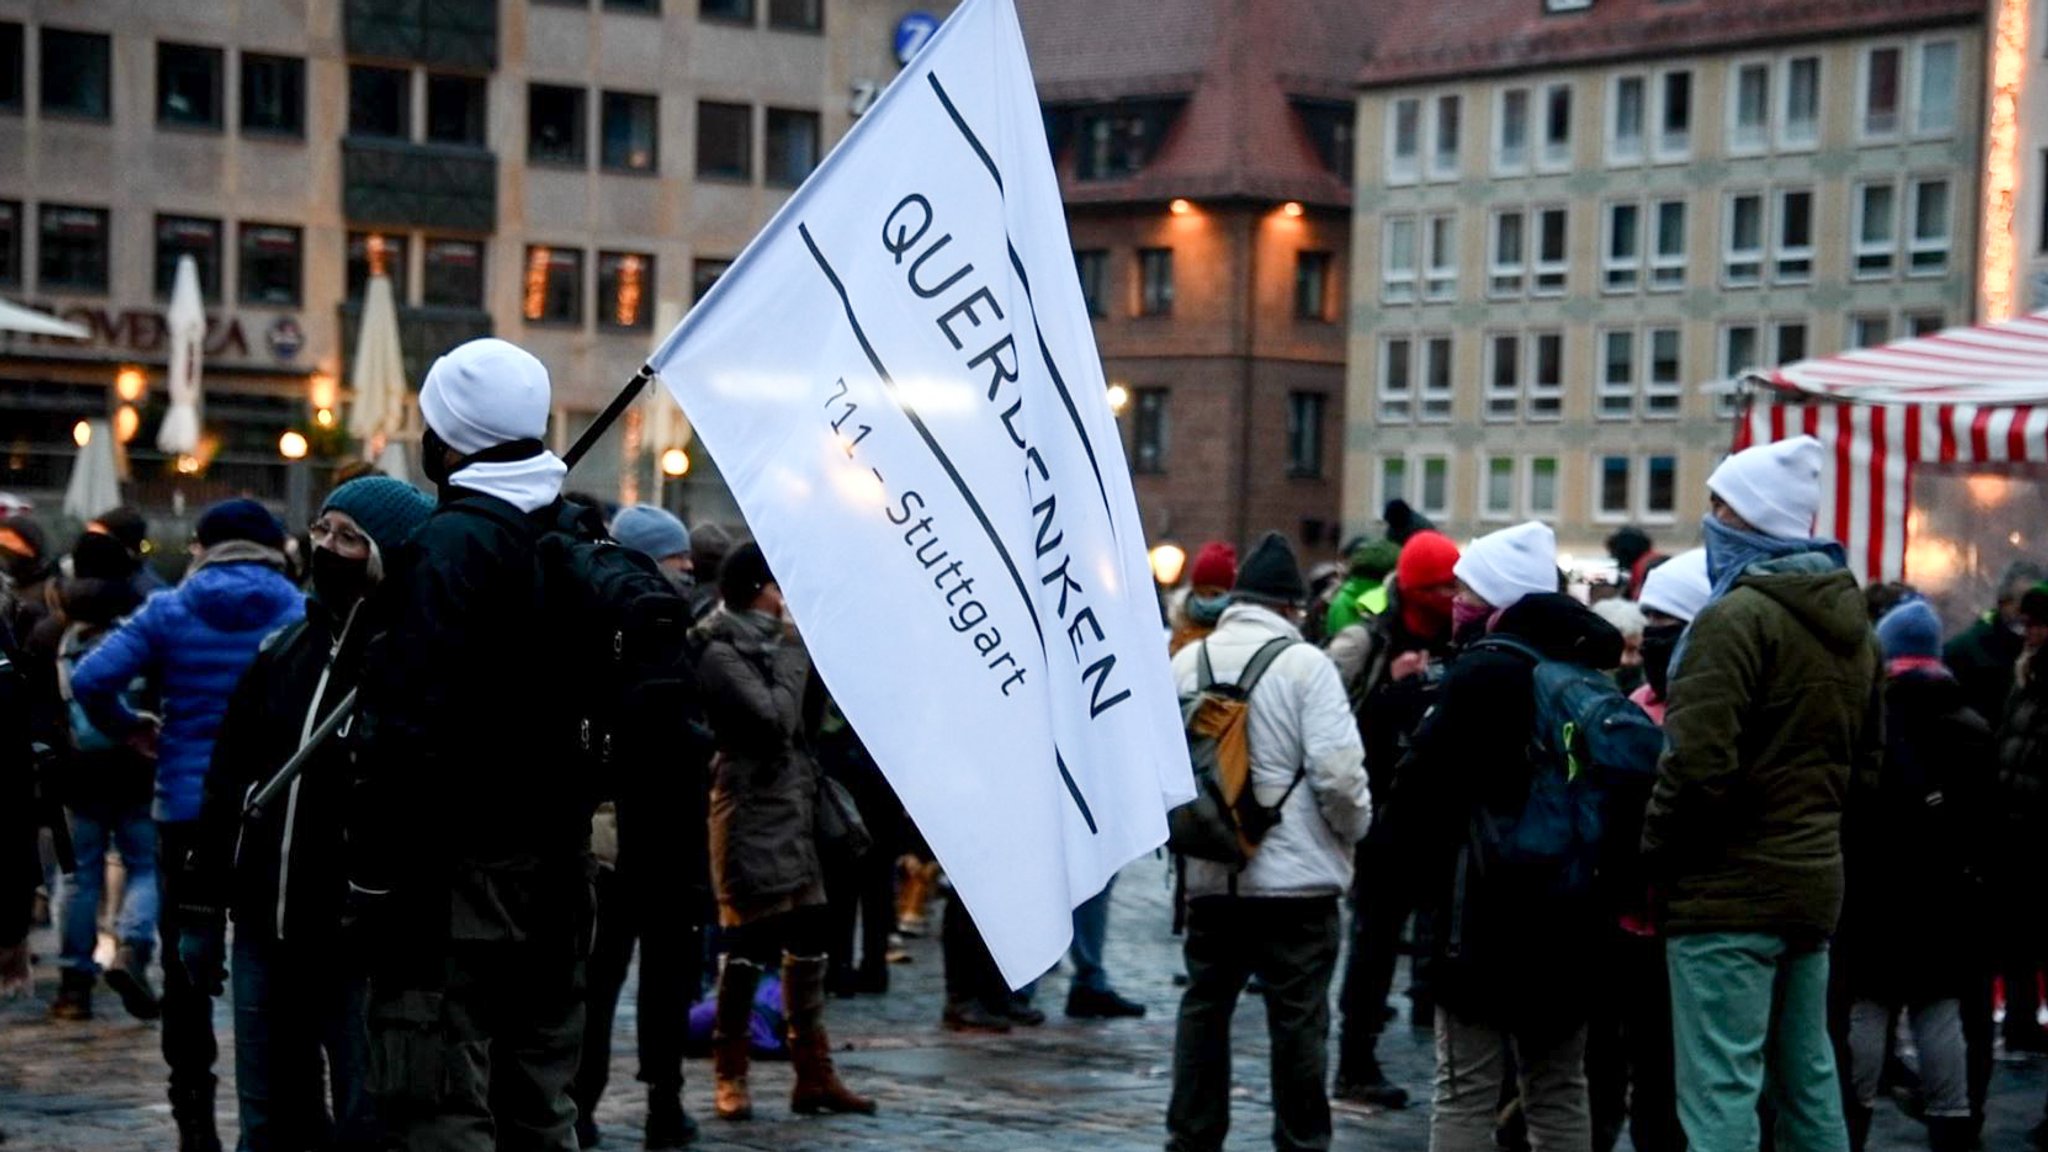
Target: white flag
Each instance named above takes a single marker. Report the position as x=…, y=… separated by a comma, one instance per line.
x=899, y=381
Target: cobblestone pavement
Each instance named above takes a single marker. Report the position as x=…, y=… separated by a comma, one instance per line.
x=98, y=1087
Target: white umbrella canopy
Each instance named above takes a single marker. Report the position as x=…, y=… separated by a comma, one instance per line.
x=186, y=321
x=15, y=318
x=377, y=372
x=95, y=485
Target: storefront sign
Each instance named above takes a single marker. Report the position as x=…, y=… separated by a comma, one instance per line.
x=141, y=333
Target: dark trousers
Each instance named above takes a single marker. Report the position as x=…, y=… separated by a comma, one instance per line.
x=971, y=972
x=671, y=972
x=189, y=1045
x=862, y=896
x=1979, y=1036
x=1380, y=905
x=1631, y=1075
x=1291, y=946
x=483, y=1063
x=295, y=1011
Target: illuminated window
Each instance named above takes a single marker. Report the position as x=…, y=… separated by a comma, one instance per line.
x=625, y=290
x=554, y=285
x=382, y=250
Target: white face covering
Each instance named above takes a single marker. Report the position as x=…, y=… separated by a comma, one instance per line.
x=528, y=485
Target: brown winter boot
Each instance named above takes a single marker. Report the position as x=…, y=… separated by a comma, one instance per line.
x=919, y=877
x=803, y=1004
x=731, y=1038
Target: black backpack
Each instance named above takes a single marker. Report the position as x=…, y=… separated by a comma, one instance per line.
x=618, y=630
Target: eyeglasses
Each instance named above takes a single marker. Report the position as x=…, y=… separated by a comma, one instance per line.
x=320, y=531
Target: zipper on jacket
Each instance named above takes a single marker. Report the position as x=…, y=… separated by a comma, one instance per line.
x=291, y=805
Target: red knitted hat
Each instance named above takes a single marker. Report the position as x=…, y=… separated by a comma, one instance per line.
x=1426, y=561
x=1215, y=566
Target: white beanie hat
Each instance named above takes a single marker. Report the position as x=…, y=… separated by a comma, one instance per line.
x=1510, y=564
x=1776, y=487
x=1678, y=587
x=486, y=392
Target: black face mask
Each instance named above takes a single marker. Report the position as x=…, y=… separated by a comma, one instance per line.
x=434, y=457
x=1659, y=642
x=339, y=581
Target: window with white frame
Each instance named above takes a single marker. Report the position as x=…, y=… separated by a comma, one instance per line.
x=1446, y=135
x=1799, y=122
x=1398, y=268
x=1546, y=375
x=1393, y=479
x=1507, y=257
x=1397, y=379
x=1628, y=99
x=1511, y=131
x=1674, y=115
x=1877, y=229
x=1556, y=150
x=1883, y=84
x=1934, y=93
x=1660, y=488
x=1667, y=247
x=1664, y=372
x=1497, y=494
x=1433, y=497
x=1920, y=324
x=1749, y=108
x=1552, y=251
x=1617, y=391
x=1623, y=491
x=1793, y=257
x=1504, y=376
x=1612, y=488
x=1869, y=330
x=1541, y=487
x=1789, y=343
x=1743, y=240
x=1441, y=280
x=1436, y=380
x=1739, y=343
x=1622, y=254
x=1404, y=141
x=1927, y=248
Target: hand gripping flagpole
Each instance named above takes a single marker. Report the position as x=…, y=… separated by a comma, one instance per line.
x=275, y=786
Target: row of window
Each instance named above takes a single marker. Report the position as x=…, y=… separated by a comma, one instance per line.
x=1306, y=414
x=77, y=74
x=1905, y=89
x=1315, y=288
x=1625, y=487
x=1639, y=371
x=789, y=15
x=1768, y=236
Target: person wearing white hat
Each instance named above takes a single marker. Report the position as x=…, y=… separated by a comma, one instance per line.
x=1500, y=569
x=1770, y=714
x=486, y=405
x=1673, y=593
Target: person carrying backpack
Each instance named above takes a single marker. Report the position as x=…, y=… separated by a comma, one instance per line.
x=1275, y=915
x=1774, y=707
x=469, y=862
x=1492, y=793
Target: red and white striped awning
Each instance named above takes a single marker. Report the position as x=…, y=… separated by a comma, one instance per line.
x=1965, y=396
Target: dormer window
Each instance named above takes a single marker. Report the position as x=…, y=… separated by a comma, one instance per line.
x=1118, y=141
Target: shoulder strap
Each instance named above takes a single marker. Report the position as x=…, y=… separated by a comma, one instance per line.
x=1260, y=661
x=1503, y=643
x=1205, y=676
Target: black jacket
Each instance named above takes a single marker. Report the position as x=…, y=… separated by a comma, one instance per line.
x=1983, y=657
x=21, y=868
x=1912, y=848
x=466, y=808
x=1511, y=968
x=297, y=842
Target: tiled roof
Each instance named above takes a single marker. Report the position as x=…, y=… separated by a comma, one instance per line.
x=1424, y=40
x=1238, y=64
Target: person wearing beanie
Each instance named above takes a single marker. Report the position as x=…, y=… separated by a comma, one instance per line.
x=1391, y=664
x=486, y=407
x=194, y=643
x=1276, y=917
x=1673, y=593
x=1771, y=714
x=1403, y=521
x=765, y=861
x=279, y=874
x=27, y=568
x=656, y=533
x=1912, y=916
x=1197, y=609
x=1506, y=972
x=106, y=802
x=1363, y=592
x=128, y=526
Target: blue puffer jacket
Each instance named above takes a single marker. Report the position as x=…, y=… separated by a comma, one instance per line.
x=194, y=643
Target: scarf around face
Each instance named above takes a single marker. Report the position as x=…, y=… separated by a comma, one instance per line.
x=1733, y=553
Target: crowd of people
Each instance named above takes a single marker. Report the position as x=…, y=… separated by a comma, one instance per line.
x=1676, y=863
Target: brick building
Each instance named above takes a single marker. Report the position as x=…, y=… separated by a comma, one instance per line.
x=1204, y=152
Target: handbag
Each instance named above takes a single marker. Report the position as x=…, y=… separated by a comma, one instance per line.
x=841, y=831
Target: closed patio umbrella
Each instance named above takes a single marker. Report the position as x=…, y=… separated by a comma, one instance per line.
x=186, y=321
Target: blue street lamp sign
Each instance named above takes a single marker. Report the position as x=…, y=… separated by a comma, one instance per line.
x=912, y=33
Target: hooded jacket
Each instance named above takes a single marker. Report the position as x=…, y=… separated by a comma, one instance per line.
x=1983, y=657
x=2023, y=767
x=1472, y=753
x=1773, y=708
x=1301, y=723
x=194, y=643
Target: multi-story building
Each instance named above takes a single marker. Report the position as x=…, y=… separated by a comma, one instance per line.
x=1204, y=152
x=556, y=172
x=1573, y=215
x=2014, y=275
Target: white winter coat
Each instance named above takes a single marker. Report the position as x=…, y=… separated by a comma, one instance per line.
x=1300, y=717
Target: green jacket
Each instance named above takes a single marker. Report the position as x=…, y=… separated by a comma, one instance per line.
x=1773, y=709
x=1357, y=599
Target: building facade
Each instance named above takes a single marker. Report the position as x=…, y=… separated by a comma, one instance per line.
x=556, y=172
x=1204, y=153
x=1575, y=216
